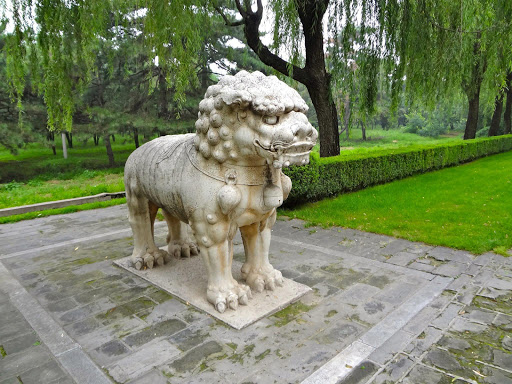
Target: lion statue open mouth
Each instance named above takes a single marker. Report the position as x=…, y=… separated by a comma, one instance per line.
x=225, y=177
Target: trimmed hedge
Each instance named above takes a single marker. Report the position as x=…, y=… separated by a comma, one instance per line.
x=330, y=176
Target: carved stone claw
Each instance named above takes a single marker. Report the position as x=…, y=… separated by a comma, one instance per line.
x=167, y=257
x=258, y=284
x=232, y=297
x=151, y=260
x=160, y=261
x=233, y=302
x=183, y=250
x=263, y=278
x=220, y=306
x=138, y=263
x=244, y=300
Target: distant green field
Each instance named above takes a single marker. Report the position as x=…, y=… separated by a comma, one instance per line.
x=36, y=161
x=466, y=207
x=379, y=138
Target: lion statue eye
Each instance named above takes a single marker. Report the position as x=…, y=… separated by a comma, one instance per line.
x=270, y=120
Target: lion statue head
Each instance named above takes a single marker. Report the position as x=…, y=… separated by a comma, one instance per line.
x=250, y=116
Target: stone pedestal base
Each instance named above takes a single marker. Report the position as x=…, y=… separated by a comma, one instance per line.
x=187, y=280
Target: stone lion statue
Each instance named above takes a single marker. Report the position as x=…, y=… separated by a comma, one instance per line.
x=224, y=177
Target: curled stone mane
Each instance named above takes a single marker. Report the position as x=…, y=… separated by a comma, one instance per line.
x=264, y=95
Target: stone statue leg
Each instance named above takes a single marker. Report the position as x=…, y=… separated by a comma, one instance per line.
x=216, y=249
x=257, y=270
x=141, y=214
x=179, y=241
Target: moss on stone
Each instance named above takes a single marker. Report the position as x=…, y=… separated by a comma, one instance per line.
x=2, y=351
x=161, y=296
x=379, y=281
x=240, y=357
x=262, y=355
x=167, y=374
x=290, y=313
x=355, y=317
x=331, y=313
x=83, y=261
x=500, y=304
x=233, y=346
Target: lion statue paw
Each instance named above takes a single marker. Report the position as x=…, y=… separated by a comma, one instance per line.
x=229, y=296
x=180, y=249
x=151, y=259
x=262, y=278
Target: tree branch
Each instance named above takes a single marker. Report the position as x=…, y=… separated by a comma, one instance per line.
x=459, y=30
x=241, y=9
x=252, y=22
x=226, y=20
x=259, y=10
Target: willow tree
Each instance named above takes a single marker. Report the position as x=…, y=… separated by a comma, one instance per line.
x=62, y=47
x=56, y=43
x=304, y=32
x=445, y=46
x=435, y=45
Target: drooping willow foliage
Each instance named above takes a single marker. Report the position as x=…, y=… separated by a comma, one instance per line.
x=446, y=42
x=56, y=42
x=425, y=47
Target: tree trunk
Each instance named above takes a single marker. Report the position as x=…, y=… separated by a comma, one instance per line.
x=472, y=89
x=110, y=153
x=113, y=138
x=318, y=80
x=363, y=130
x=508, y=105
x=64, y=148
x=346, y=116
x=96, y=139
x=69, y=138
x=163, y=107
x=136, y=137
x=472, y=121
x=327, y=118
x=494, y=129
x=51, y=139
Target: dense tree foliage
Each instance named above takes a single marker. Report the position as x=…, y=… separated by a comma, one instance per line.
x=445, y=46
x=339, y=50
x=123, y=87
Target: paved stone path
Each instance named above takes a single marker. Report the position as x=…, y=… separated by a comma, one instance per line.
x=382, y=310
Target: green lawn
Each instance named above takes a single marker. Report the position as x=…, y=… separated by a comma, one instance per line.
x=437, y=208
x=59, y=211
x=86, y=183
x=466, y=207
x=36, y=161
x=35, y=175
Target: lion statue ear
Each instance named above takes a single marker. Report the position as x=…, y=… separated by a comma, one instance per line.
x=237, y=97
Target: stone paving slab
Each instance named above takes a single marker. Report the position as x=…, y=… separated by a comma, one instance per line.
x=23, y=356
x=361, y=283
x=187, y=280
